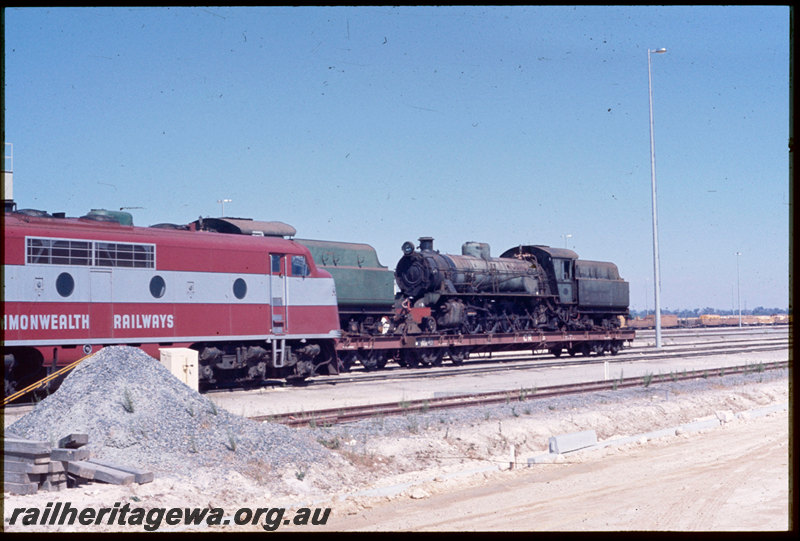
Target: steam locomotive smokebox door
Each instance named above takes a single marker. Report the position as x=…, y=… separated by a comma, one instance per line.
x=182, y=363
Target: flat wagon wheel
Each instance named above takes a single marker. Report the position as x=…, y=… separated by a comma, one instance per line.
x=370, y=359
x=431, y=356
x=347, y=360
x=409, y=358
x=458, y=354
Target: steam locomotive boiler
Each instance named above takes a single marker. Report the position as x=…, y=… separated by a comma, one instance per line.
x=527, y=287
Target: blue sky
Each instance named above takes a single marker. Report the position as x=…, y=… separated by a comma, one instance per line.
x=509, y=125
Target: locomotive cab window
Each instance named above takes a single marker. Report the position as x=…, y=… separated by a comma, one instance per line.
x=299, y=266
x=567, y=273
x=276, y=264
x=561, y=267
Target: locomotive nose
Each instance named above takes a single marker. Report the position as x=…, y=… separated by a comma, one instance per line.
x=412, y=275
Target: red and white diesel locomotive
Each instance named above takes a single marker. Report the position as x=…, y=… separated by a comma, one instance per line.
x=253, y=305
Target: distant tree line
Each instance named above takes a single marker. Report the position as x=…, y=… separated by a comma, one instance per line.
x=757, y=311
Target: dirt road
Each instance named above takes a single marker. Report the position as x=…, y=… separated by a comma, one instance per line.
x=734, y=477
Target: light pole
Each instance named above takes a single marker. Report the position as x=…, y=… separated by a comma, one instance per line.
x=565, y=239
x=656, y=277
x=222, y=202
x=738, y=297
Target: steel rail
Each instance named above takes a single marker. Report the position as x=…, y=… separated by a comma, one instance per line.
x=495, y=364
x=355, y=413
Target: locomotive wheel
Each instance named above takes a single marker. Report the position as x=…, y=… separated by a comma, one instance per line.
x=428, y=325
x=614, y=348
x=458, y=354
x=556, y=351
x=10, y=387
x=473, y=326
x=586, y=350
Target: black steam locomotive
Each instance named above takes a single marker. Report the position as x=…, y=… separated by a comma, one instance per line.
x=526, y=288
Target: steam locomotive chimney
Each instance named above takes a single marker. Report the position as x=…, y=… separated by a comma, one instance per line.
x=426, y=244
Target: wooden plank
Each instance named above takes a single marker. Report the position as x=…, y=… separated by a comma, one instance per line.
x=75, y=481
x=56, y=477
x=96, y=472
x=21, y=477
x=25, y=467
x=31, y=447
x=83, y=470
x=141, y=476
x=54, y=486
x=21, y=488
x=40, y=458
x=69, y=455
x=73, y=441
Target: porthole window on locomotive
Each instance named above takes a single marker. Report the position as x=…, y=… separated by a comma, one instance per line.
x=65, y=284
x=240, y=288
x=157, y=287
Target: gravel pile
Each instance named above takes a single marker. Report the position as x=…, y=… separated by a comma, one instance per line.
x=137, y=413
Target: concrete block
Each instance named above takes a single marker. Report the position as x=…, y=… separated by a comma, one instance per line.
x=766, y=410
x=725, y=416
x=564, y=443
x=547, y=458
x=696, y=426
x=664, y=432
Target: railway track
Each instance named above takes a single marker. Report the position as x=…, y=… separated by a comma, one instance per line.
x=486, y=363
x=355, y=413
x=505, y=362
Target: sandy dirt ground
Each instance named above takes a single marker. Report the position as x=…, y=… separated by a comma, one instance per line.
x=441, y=476
x=731, y=478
